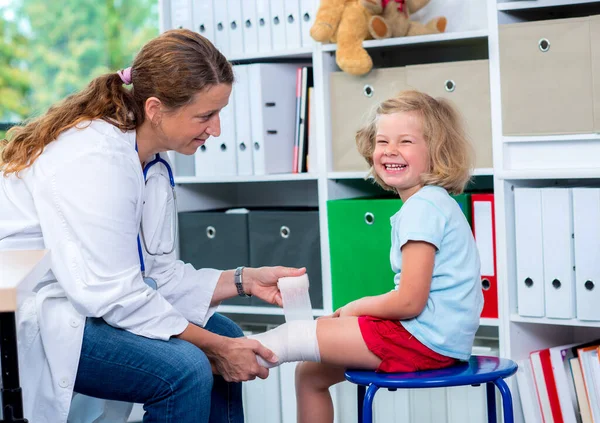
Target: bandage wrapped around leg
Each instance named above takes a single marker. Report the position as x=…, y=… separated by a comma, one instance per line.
x=293, y=341
x=296, y=301
x=296, y=340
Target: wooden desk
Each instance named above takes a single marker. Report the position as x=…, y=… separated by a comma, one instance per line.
x=18, y=270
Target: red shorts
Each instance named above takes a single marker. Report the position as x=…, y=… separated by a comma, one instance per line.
x=398, y=350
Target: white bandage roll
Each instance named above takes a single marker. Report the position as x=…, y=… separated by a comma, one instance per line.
x=296, y=301
x=295, y=341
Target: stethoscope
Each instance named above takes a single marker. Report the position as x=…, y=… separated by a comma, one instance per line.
x=141, y=239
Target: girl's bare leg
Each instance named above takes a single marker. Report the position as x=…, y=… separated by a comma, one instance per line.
x=341, y=346
x=314, y=403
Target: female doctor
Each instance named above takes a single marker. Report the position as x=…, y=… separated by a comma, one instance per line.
x=77, y=181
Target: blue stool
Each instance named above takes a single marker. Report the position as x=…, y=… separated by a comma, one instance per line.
x=478, y=370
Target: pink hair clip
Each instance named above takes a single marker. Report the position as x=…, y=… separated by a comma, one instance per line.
x=125, y=75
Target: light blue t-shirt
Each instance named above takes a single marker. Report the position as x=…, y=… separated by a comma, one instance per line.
x=448, y=323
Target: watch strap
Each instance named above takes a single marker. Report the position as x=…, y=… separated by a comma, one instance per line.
x=237, y=279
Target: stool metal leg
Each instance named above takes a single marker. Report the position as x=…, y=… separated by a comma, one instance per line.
x=491, y=402
x=360, y=397
x=507, y=406
x=368, y=404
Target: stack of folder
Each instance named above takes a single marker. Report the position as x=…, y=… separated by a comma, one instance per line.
x=561, y=384
x=304, y=87
x=241, y=28
x=265, y=127
x=557, y=252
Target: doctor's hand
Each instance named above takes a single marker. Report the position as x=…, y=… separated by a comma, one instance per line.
x=235, y=359
x=263, y=281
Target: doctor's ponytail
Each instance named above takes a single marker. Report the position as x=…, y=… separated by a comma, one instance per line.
x=172, y=67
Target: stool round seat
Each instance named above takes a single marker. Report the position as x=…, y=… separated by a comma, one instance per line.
x=479, y=369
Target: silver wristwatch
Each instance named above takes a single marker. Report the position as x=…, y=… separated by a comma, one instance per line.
x=237, y=279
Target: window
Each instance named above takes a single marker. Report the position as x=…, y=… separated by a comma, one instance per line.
x=50, y=49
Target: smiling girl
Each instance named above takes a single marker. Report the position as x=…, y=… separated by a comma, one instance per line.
x=416, y=146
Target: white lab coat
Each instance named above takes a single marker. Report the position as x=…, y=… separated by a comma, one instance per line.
x=83, y=200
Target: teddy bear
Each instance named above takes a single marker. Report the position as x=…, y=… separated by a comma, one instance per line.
x=344, y=22
x=391, y=18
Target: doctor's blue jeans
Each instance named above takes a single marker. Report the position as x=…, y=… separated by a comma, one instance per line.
x=173, y=379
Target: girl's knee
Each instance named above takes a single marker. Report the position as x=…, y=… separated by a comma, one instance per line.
x=308, y=372
x=318, y=375
x=302, y=369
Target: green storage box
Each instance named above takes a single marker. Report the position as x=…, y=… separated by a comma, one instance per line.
x=464, y=201
x=359, y=244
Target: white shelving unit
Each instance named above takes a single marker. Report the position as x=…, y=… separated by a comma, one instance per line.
x=534, y=4
x=301, y=53
x=272, y=311
x=551, y=138
x=546, y=174
x=242, y=179
x=489, y=322
x=444, y=38
x=546, y=321
x=268, y=311
x=544, y=160
x=540, y=161
x=326, y=188
x=363, y=175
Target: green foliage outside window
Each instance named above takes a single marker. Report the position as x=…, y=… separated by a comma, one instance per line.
x=50, y=49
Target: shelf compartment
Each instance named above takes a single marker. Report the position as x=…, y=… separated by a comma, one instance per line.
x=587, y=173
x=563, y=153
x=245, y=178
x=489, y=322
x=551, y=138
x=347, y=175
x=270, y=311
x=559, y=322
x=301, y=53
x=536, y=4
x=362, y=175
x=446, y=37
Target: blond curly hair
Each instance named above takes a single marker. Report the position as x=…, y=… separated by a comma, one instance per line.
x=450, y=152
